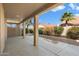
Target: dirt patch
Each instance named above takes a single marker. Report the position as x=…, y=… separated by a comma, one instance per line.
x=62, y=39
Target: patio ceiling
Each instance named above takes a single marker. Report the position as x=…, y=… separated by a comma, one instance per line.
x=15, y=10
x=23, y=11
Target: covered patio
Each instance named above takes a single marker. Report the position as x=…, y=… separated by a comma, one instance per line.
x=17, y=46
x=17, y=14
x=11, y=40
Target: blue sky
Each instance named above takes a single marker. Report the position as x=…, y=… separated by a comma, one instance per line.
x=53, y=16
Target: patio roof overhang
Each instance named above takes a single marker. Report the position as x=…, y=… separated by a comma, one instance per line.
x=12, y=21
x=19, y=13
x=24, y=11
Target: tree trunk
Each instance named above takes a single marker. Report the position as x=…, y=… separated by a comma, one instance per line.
x=27, y=29
x=66, y=22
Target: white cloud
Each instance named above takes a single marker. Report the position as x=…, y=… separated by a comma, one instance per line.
x=72, y=5
x=77, y=7
x=76, y=14
x=58, y=8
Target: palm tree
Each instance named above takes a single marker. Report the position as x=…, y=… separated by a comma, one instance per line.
x=67, y=17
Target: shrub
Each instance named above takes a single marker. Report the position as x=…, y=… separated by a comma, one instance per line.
x=73, y=33
x=31, y=30
x=58, y=30
x=48, y=30
x=40, y=31
x=27, y=30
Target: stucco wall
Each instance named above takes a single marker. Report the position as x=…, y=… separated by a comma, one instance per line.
x=64, y=33
x=13, y=32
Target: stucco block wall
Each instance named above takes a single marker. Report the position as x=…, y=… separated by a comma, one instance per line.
x=2, y=29
x=13, y=32
x=64, y=33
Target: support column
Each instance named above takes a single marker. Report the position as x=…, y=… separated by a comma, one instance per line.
x=6, y=29
x=2, y=29
x=24, y=31
x=18, y=29
x=35, y=30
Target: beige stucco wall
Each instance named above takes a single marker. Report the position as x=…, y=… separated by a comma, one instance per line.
x=64, y=33
x=13, y=32
x=2, y=29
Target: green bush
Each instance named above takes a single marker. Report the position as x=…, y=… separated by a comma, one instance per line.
x=48, y=30
x=47, y=33
x=31, y=30
x=40, y=31
x=58, y=30
x=73, y=33
x=26, y=30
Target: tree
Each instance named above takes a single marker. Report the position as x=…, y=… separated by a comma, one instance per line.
x=67, y=17
x=28, y=22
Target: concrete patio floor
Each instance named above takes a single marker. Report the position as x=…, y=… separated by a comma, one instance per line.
x=17, y=46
